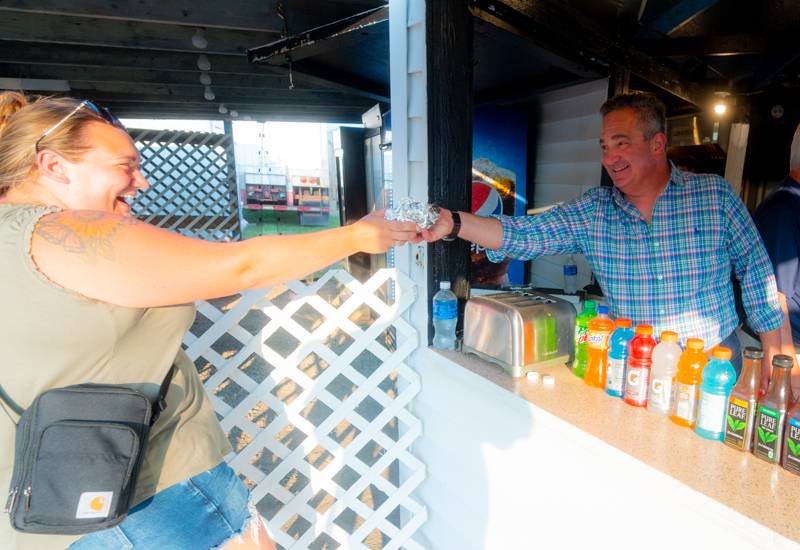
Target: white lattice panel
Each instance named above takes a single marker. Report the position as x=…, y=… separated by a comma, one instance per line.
x=310, y=383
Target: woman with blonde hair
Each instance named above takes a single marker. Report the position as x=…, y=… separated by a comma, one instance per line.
x=90, y=294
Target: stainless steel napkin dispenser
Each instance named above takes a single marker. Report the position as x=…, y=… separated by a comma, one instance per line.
x=521, y=330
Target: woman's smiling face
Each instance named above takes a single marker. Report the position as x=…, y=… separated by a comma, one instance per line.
x=107, y=176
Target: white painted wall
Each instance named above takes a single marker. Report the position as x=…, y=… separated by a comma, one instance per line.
x=503, y=474
x=567, y=161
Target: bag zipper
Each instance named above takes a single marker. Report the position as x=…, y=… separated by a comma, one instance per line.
x=12, y=497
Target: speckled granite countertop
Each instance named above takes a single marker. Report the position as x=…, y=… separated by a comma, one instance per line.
x=766, y=493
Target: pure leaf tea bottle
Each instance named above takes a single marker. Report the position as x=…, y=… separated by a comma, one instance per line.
x=772, y=408
x=791, y=442
x=742, y=404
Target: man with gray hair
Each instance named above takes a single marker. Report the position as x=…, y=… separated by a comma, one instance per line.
x=778, y=221
x=661, y=242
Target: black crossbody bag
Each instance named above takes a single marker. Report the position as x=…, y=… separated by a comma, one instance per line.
x=77, y=454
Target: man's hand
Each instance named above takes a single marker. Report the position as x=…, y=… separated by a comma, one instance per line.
x=440, y=229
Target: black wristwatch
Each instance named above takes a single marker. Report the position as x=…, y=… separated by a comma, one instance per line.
x=456, y=227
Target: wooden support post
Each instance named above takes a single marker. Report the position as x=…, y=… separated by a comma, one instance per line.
x=449, y=36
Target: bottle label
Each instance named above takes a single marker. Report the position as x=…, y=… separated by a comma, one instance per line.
x=769, y=425
x=636, y=384
x=615, y=375
x=711, y=412
x=685, y=401
x=739, y=416
x=597, y=339
x=570, y=270
x=580, y=335
x=660, y=393
x=445, y=310
x=792, y=462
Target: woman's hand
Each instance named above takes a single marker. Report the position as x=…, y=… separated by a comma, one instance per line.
x=375, y=234
x=442, y=227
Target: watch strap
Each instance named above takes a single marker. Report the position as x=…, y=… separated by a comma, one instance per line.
x=456, y=227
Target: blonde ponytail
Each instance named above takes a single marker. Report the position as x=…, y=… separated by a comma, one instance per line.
x=22, y=123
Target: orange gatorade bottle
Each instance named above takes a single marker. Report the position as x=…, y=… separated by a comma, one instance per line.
x=597, y=334
x=687, y=383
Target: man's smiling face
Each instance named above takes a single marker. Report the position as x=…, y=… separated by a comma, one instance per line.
x=629, y=157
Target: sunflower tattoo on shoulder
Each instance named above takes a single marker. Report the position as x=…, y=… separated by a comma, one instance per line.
x=82, y=232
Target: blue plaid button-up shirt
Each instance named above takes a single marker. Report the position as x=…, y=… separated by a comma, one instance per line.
x=673, y=273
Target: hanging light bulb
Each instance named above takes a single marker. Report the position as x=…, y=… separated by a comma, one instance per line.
x=205, y=79
x=234, y=113
x=199, y=40
x=721, y=102
x=203, y=63
x=222, y=109
x=209, y=94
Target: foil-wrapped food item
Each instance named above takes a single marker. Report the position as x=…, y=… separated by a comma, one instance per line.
x=412, y=210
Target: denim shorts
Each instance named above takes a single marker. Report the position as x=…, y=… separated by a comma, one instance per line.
x=203, y=512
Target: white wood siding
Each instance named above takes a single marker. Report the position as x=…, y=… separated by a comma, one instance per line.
x=567, y=161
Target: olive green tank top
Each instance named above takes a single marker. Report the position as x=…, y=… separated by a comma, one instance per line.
x=52, y=337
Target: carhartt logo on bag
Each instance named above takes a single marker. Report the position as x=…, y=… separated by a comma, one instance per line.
x=94, y=505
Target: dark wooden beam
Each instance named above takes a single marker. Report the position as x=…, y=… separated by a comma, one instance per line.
x=739, y=44
x=174, y=93
x=525, y=90
x=91, y=56
x=678, y=15
x=142, y=77
x=449, y=40
x=233, y=14
x=112, y=33
x=349, y=31
x=377, y=91
x=568, y=33
x=502, y=17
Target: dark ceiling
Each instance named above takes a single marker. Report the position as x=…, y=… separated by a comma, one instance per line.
x=139, y=59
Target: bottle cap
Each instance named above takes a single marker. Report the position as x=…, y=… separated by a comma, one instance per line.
x=622, y=322
x=602, y=310
x=533, y=376
x=589, y=304
x=644, y=329
x=548, y=380
x=782, y=361
x=721, y=352
x=695, y=344
x=444, y=285
x=753, y=353
x=669, y=336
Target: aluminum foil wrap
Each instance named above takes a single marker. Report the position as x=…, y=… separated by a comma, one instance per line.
x=411, y=210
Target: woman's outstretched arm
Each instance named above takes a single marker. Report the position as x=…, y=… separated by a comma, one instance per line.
x=130, y=263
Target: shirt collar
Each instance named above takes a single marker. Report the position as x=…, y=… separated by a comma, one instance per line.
x=676, y=176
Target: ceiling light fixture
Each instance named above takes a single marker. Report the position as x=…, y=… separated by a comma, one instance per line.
x=721, y=102
x=222, y=109
x=208, y=93
x=199, y=40
x=234, y=113
x=203, y=63
x=205, y=79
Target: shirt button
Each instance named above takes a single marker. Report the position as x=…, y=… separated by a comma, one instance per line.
x=660, y=277
x=656, y=244
x=662, y=311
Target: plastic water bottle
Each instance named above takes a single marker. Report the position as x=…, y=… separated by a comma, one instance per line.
x=445, y=316
x=570, y=276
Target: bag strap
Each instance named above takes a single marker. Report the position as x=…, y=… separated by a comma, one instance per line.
x=158, y=406
x=161, y=402
x=10, y=402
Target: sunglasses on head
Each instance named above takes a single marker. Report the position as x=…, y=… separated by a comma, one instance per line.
x=98, y=110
